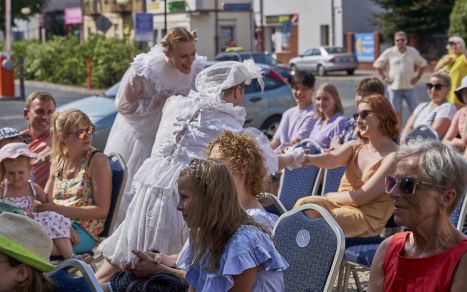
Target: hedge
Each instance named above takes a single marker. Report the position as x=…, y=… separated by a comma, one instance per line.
x=63, y=60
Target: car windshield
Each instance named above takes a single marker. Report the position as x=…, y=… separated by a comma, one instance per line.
x=112, y=91
x=335, y=50
x=260, y=58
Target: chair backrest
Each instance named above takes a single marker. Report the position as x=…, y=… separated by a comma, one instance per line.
x=313, y=247
x=300, y=182
x=458, y=216
x=119, y=176
x=332, y=179
x=276, y=207
x=422, y=132
x=86, y=282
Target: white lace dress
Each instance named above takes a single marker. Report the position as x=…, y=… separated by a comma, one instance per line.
x=152, y=220
x=144, y=88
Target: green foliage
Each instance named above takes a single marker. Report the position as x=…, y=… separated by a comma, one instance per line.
x=418, y=17
x=63, y=60
x=458, y=24
x=16, y=5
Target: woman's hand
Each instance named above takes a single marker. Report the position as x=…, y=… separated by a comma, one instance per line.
x=145, y=265
x=47, y=207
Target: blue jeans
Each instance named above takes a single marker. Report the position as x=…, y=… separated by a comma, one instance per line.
x=396, y=97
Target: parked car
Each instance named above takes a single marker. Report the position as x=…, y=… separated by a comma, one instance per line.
x=264, y=110
x=259, y=57
x=323, y=60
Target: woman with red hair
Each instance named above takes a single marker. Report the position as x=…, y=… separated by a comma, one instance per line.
x=361, y=206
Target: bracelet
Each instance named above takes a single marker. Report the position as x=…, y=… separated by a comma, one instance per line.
x=153, y=250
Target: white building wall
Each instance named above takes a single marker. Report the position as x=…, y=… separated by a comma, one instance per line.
x=202, y=18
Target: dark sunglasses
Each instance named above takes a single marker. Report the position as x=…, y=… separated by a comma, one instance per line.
x=362, y=114
x=437, y=86
x=451, y=43
x=407, y=185
x=81, y=133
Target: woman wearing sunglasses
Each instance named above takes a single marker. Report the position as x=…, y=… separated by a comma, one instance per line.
x=437, y=113
x=361, y=207
x=428, y=183
x=80, y=178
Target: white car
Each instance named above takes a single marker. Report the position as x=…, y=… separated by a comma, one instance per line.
x=323, y=60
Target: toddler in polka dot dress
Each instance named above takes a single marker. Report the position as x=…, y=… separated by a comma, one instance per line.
x=18, y=190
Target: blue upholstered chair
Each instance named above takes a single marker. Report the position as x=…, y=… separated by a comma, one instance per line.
x=332, y=179
x=422, y=132
x=313, y=247
x=65, y=280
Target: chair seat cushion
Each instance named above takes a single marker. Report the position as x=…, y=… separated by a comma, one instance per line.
x=361, y=254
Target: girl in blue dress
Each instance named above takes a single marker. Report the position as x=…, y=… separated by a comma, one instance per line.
x=227, y=250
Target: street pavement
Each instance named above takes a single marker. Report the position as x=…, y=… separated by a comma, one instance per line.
x=11, y=109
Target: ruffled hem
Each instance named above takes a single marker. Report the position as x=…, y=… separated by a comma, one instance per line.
x=260, y=251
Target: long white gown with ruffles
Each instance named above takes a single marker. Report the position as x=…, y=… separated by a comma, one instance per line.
x=144, y=88
x=152, y=220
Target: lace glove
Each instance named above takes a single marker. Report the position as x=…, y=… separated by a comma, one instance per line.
x=297, y=155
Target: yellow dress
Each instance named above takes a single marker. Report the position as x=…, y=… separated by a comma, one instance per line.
x=457, y=72
x=365, y=220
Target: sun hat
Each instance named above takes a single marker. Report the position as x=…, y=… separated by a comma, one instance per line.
x=14, y=150
x=25, y=240
x=6, y=133
x=458, y=90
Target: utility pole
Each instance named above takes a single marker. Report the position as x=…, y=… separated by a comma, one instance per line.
x=216, y=27
x=165, y=17
x=261, y=23
x=8, y=27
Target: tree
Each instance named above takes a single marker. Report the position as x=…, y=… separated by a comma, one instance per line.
x=458, y=18
x=418, y=17
x=35, y=6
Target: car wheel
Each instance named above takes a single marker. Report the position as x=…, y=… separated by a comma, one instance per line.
x=350, y=71
x=270, y=126
x=321, y=70
x=293, y=69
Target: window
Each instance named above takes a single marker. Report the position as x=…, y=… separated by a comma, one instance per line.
x=324, y=34
x=316, y=52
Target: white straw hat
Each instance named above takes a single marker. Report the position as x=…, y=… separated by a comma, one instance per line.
x=25, y=240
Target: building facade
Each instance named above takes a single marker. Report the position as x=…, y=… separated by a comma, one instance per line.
x=293, y=26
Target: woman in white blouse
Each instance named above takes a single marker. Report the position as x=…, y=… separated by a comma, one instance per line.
x=436, y=113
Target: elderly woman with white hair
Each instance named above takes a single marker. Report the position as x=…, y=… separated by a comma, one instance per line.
x=429, y=181
x=188, y=125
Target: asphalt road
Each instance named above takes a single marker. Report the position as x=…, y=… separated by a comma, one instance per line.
x=11, y=110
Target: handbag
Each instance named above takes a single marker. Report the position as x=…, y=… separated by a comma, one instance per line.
x=125, y=281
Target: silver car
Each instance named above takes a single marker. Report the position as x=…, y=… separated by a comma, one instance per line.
x=264, y=110
x=323, y=60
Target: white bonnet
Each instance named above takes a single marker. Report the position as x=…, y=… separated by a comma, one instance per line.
x=220, y=76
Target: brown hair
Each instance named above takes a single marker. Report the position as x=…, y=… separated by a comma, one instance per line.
x=385, y=113
x=369, y=86
x=177, y=35
x=40, y=95
x=241, y=154
x=65, y=123
x=218, y=212
x=36, y=282
x=332, y=90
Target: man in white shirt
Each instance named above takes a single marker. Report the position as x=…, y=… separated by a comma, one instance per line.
x=400, y=67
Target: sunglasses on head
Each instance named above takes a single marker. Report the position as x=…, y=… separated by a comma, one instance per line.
x=407, y=185
x=81, y=133
x=451, y=43
x=362, y=114
x=437, y=86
